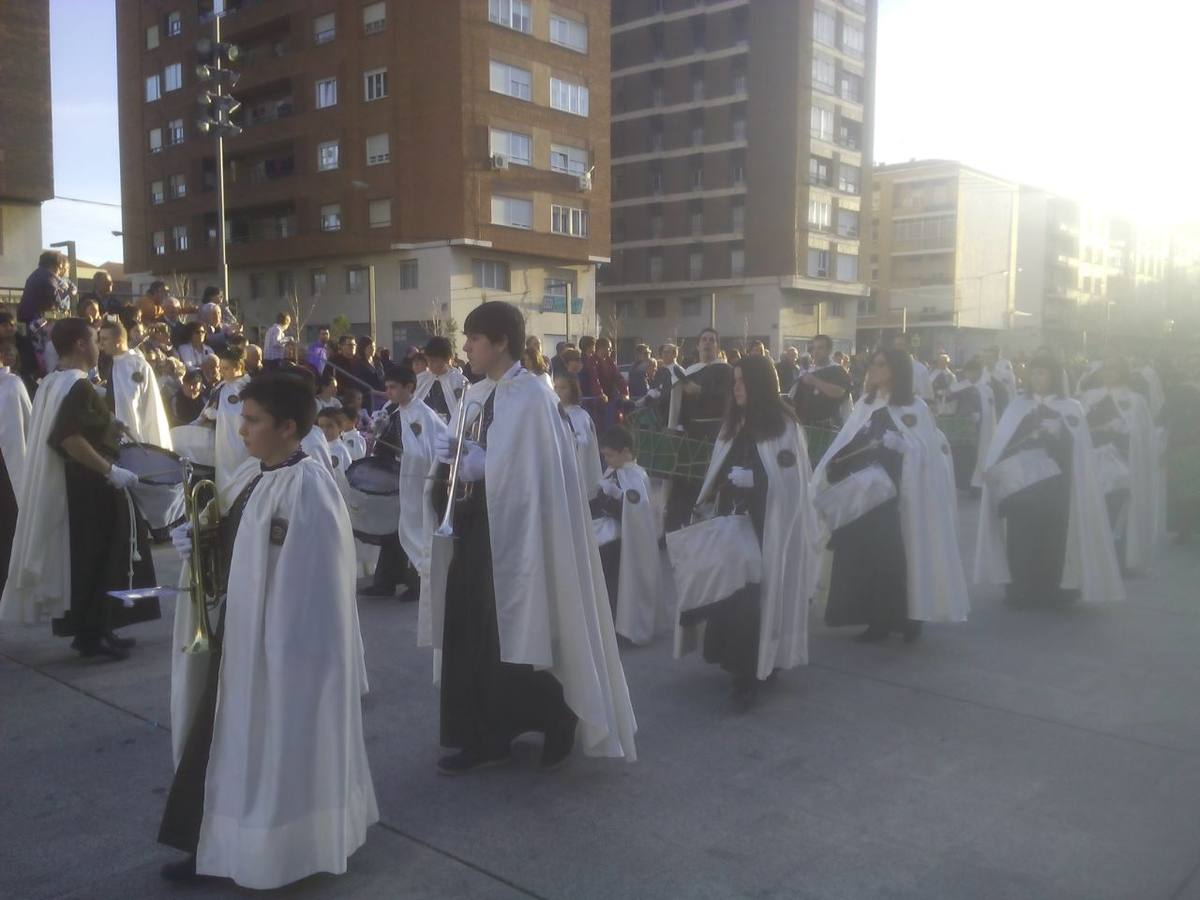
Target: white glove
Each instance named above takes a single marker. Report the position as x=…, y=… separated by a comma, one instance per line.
x=380, y=415
x=443, y=447
x=741, y=477
x=181, y=537
x=654, y=393
x=610, y=487
x=894, y=440
x=471, y=465
x=121, y=478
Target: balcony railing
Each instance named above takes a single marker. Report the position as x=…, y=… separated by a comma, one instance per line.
x=242, y=172
x=262, y=53
x=269, y=112
x=261, y=230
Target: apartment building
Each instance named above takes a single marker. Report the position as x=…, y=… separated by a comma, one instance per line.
x=942, y=251
x=26, y=156
x=742, y=136
x=455, y=150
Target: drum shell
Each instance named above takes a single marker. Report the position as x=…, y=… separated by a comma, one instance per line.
x=1019, y=472
x=197, y=443
x=156, y=501
x=374, y=517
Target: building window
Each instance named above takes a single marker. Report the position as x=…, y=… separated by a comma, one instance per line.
x=324, y=29
x=697, y=89
x=656, y=225
x=173, y=77
x=491, y=274
x=174, y=24
x=847, y=222
x=821, y=123
x=698, y=222
x=151, y=37
x=820, y=214
x=836, y=309
x=156, y=143
x=326, y=93
x=175, y=132
x=178, y=185
x=824, y=27
x=568, y=33
x=738, y=172
x=853, y=41
x=568, y=97
x=258, y=285
x=818, y=263
x=737, y=262
x=516, y=148
x=159, y=243
x=512, y=14
x=327, y=156
x=656, y=308
x=689, y=306
x=739, y=129
x=408, y=274
x=510, y=80
x=374, y=17
x=156, y=193
x=571, y=160
x=356, y=279
x=697, y=179
x=847, y=267
x=697, y=135
x=848, y=178
x=850, y=87
x=379, y=213
x=818, y=170
x=696, y=265
x=623, y=309
x=739, y=83
x=179, y=238
x=823, y=73
x=656, y=268
x=331, y=217
x=569, y=221
x=375, y=85
x=318, y=279
x=378, y=149
x=153, y=88
x=512, y=212
x=849, y=133
x=737, y=216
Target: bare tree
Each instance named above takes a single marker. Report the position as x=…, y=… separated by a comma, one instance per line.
x=300, y=313
x=441, y=326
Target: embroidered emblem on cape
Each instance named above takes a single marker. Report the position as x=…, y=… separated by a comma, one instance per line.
x=137, y=377
x=458, y=392
x=234, y=398
x=279, y=530
x=786, y=459
x=1073, y=421
x=336, y=462
x=909, y=419
x=416, y=428
x=633, y=496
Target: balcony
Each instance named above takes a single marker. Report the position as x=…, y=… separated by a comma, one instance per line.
x=268, y=111
x=250, y=229
x=264, y=52
x=259, y=171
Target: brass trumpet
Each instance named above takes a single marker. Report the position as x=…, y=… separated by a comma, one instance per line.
x=207, y=587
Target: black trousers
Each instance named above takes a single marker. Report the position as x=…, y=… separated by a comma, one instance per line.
x=1036, y=542
x=731, y=635
x=868, y=585
x=485, y=703
x=392, y=568
x=8, y=521
x=610, y=562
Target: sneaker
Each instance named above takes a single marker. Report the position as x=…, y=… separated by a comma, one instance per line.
x=557, y=747
x=465, y=761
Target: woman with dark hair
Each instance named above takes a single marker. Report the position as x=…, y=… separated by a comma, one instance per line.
x=192, y=349
x=885, y=489
x=1043, y=533
x=759, y=466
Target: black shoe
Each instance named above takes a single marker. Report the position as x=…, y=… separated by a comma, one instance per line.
x=96, y=647
x=378, y=590
x=180, y=870
x=465, y=761
x=560, y=741
x=911, y=630
x=124, y=643
x=745, y=692
x=873, y=634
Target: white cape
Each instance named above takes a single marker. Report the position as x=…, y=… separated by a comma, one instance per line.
x=420, y=427
x=641, y=610
x=137, y=401
x=790, y=551
x=587, y=448
x=453, y=384
x=39, y=574
x=937, y=587
x=922, y=382
x=1091, y=564
x=15, y=410
x=288, y=791
x=551, y=602
x=231, y=452
x=315, y=445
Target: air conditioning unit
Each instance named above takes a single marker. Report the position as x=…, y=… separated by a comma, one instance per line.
x=499, y=161
x=585, y=183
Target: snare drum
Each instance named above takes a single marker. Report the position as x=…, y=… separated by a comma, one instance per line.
x=372, y=491
x=196, y=443
x=1022, y=471
x=159, y=484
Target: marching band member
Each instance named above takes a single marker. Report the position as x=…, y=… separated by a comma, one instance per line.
x=15, y=410
x=440, y=386
x=1050, y=540
x=272, y=782
x=394, y=567
x=132, y=394
x=896, y=565
x=760, y=464
x=975, y=400
x=329, y=420
x=75, y=539
x=566, y=386
x=526, y=637
x=225, y=410
x=1119, y=419
x=819, y=393
x=356, y=444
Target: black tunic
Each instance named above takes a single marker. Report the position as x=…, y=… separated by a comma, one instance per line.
x=701, y=416
x=8, y=521
x=392, y=567
x=814, y=407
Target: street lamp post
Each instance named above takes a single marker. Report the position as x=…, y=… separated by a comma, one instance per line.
x=218, y=106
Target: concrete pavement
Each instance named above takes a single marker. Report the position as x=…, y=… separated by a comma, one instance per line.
x=1022, y=755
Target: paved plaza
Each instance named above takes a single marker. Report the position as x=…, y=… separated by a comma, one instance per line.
x=1022, y=755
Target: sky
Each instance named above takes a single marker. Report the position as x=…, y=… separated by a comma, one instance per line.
x=1089, y=98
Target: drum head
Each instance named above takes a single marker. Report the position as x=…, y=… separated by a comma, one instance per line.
x=153, y=465
x=374, y=475
x=195, y=442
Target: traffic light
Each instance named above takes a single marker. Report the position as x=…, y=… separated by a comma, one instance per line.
x=217, y=79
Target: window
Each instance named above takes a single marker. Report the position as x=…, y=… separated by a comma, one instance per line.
x=818, y=170
x=848, y=178
x=568, y=220
x=153, y=88
x=847, y=267
x=516, y=148
x=821, y=123
x=491, y=274
x=737, y=262
x=847, y=222
x=408, y=274
x=697, y=179
x=174, y=24
x=512, y=14
x=179, y=238
x=697, y=89
x=156, y=143
x=175, y=132
x=512, y=212
x=737, y=171
x=739, y=83
x=356, y=279
x=151, y=37
x=697, y=135
x=178, y=184
x=623, y=309
x=378, y=149
x=326, y=93
x=156, y=193
x=689, y=306
x=849, y=133
x=379, y=213
x=820, y=213
x=696, y=265
x=852, y=39
x=159, y=243
x=568, y=33
x=656, y=225
x=824, y=26
x=258, y=285
x=656, y=307
x=737, y=219
x=327, y=156
x=739, y=129
x=375, y=85
x=818, y=263
x=568, y=97
x=510, y=80
x=656, y=181
x=850, y=87
x=331, y=217
x=572, y=160
x=374, y=17
x=823, y=72
x=318, y=279
x=698, y=222
x=324, y=29
x=173, y=77
x=656, y=270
